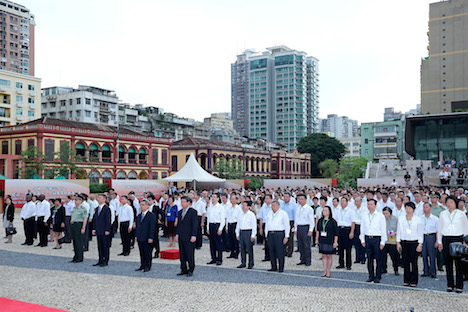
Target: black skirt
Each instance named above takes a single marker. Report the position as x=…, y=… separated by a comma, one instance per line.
x=57, y=228
x=327, y=249
x=171, y=229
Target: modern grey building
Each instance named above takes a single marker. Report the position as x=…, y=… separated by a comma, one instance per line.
x=444, y=73
x=282, y=97
x=86, y=104
x=339, y=126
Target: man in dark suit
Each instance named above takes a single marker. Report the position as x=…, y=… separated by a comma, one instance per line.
x=187, y=228
x=159, y=213
x=144, y=235
x=102, y=230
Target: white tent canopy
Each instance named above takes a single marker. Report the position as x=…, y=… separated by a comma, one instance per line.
x=192, y=171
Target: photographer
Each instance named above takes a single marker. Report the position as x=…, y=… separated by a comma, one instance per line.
x=453, y=225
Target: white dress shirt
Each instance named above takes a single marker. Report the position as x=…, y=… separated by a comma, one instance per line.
x=304, y=216
x=28, y=210
x=399, y=212
x=278, y=221
x=233, y=213
x=359, y=212
x=69, y=207
x=452, y=224
x=200, y=207
x=388, y=204
x=373, y=225
x=126, y=214
x=87, y=207
x=344, y=217
x=216, y=214
x=431, y=224
x=43, y=210
x=419, y=211
x=247, y=221
x=264, y=211
x=410, y=230
x=115, y=203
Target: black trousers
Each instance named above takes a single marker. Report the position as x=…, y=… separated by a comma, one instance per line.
x=125, y=237
x=449, y=261
x=429, y=251
x=360, y=251
x=77, y=239
x=276, y=249
x=42, y=230
x=199, y=241
x=103, y=248
x=29, y=225
x=67, y=237
x=260, y=238
x=187, y=256
x=344, y=244
x=231, y=237
x=374, y=253
x=267, y=247
x=392, y=250
x=156, y=246
x=86, y=237
x=246, y=247
x=409, y=258
x=145, y=254
x=216, y=244
x=304, y=243
x=290, y=244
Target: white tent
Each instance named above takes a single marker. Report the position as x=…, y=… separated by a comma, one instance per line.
x=192, y=171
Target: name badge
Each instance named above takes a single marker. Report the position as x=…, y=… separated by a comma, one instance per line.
x=168, y=214
x=323, y=233
x=408, y=231
x=451, y=226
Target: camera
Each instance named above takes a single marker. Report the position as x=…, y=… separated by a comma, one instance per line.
x=459, y=249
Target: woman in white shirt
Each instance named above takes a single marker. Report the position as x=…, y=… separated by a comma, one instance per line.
x=409, y=242
x=453, y=225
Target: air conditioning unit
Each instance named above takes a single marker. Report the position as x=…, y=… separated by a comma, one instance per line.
x=32, y=106
x=19, y=117
x=3, y=89
x=19, y=91
x=19, y=104
x=32, y=93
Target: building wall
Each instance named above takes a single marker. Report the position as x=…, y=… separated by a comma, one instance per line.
x=382, y=140
x=48, y=139
x=353, y=145
x=20, y=97
x=290, y=165
x=443, y=72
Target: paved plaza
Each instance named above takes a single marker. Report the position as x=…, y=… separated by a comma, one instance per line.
x=44, y=276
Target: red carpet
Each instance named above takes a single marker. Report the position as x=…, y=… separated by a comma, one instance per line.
x=8, y=305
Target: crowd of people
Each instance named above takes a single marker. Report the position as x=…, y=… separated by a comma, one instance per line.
x=404, y=223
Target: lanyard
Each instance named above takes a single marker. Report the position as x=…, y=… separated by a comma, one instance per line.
x=371, y=219
x=451, y=219
x=359, y=210
x=409, y=223
x=324, y=224
x=301, y=211
x=425, y=222
x=274, y=215
x=341, y=213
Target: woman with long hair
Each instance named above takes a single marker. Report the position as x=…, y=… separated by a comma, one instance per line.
x=8, y=216
x=327, y=239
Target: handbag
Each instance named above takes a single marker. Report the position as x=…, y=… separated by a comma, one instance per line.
x=11, y=230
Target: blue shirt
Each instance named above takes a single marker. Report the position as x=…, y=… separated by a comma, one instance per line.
x=290, y=209
x=171, y=214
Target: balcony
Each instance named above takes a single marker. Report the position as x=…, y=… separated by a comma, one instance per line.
x=32, y=106
x=19, y=104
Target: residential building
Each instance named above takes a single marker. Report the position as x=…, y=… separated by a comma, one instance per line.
x=437, y=136
x=390, y=114
x=444, y=73
x=292, y=165
x=219, y=120
x=255, y=163
x=353, y=146
x=19, y=98
x=102, y=152
x=382, y=140
x=339, y=126
x=85, y=104
x=282, y=97
x=16, y=38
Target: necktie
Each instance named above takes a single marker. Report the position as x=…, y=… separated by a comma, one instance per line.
x=183, y=213
x=142, y=216
x=99, y=211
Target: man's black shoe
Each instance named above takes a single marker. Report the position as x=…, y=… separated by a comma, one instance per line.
x=340, y=267
x=272, y=270
x=219, y=262
x=264, y=260
x=189, y=274
x=139, y=269
x=301, y=263
x=377, y=280
x=241, y=266
x=146, y=270
x=97, y=264
x=369, y=280
x=72, y=261
x=211, y=262
x=103, y=264
x=250, y=267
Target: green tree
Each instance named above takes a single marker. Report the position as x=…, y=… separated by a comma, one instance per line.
x=231, y=169
x=351, y=168
x=67, y=160
x=32, y=161
x=328, y=167
x=320, y=147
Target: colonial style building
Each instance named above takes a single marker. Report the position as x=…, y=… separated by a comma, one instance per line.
x=290, y=165
x=103, y=152
x=255, y=163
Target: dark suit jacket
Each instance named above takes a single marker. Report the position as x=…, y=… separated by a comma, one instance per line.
x=9, y=211
x=102, y=221
x=146, y=229
x=188, y=226
x=60, y=215
x=159, y=213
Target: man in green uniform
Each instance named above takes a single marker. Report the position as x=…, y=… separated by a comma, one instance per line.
x=79, y=218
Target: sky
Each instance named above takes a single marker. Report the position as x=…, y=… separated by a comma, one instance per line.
x=177, y=54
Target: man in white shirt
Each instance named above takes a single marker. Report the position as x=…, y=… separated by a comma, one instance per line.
x=136, y=202
x=386, y=202
x=304, y=226
x=86, y=205
x=42, y=216
x=360, y=210
x=419, y=204
x=266, y=208
x=28, y=215
x=399, y=210
x=429, y=249
x=216, y=222
x=69, y=205
x=373, y=237
x=346, y=218
x=200, y=206
x=126, y=225
x=277, y=232
x=233, y=213
x=246, y=230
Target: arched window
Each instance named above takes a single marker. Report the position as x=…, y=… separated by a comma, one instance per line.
x=93, y=153
x=106, y=176
x=121, y=175
x=132, y=175
x=121, y=155
x=203, y=161
x=80, y=152
x=106, y=154
x=132, y=156
x=94, y=177
x=142, y=156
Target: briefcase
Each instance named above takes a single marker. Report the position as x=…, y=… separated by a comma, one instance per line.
x=11, y=230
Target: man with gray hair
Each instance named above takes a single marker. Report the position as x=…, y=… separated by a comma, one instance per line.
x=277, y=232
